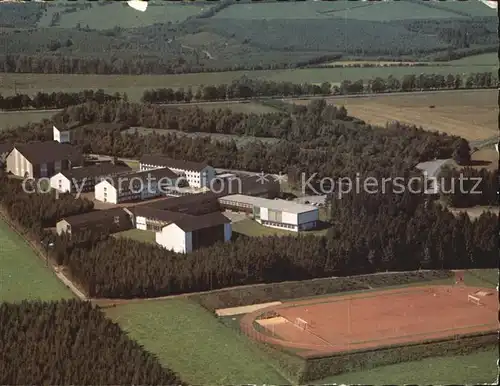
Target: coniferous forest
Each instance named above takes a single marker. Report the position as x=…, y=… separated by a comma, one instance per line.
x=412, y=231
x=71, y=343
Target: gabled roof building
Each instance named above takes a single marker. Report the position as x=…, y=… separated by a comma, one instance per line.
x=84, y=179
x=198, y=175
x=42, y=159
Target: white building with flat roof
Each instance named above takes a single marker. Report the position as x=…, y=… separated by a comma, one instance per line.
x=274, y=213
x=198, y=175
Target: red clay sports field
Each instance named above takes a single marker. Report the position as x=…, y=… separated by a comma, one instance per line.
x=375, y=319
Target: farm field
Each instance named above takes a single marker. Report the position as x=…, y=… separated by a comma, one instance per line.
x=10, y=119
x=486, y=158
x=252, y=228
x=120, y=15
x=470, y=114
x=349, y=10
x=295, y=10
x=193, y=343
x=482, y=59
x=135, y=85
x=23, y=275
x=476, y=368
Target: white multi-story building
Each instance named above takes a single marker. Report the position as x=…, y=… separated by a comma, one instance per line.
x=84, y=179
x=197, y=175
x=274, y=213
x=189, y=233
x=135, y=186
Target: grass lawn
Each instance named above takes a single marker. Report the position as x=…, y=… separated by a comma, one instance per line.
x=252, y=228
x=192, y=342
x=482, y=60
x=475, y=368
x=10, y=119
x=138, y=235
x=23, y=275
x=487, y=278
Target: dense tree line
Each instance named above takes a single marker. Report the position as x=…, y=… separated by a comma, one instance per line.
x=245, y=88
x=34, y=210
x=470, y=187
x=370, y=233
x=56, y=100
x=317, y=138
x=71, y=343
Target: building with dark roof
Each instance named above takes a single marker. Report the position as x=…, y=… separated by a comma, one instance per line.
x=97, y=222
x=245, y=184
x=84, y=179
x=152, y=219
x=135, y=186
x=189, y=233
x=193, y=204
x=196, y=174
x=42, y=159
x=5, y=149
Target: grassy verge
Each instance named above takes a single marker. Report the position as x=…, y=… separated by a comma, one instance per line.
x=192, y=342
x=252, y=228
x=475, y=368
x=23, y=275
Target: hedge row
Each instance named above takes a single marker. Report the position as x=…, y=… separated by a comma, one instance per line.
x=264, y=293
x=321, y=367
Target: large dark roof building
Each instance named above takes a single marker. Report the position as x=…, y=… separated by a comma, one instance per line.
x=42, y=159
x=161, y=161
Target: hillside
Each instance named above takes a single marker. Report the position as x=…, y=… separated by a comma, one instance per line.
x=230, y=35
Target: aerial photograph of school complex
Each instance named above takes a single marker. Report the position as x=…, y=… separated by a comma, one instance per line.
x=249, y=192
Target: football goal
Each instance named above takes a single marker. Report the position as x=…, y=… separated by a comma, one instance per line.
x=301, y=323
x=474, y=299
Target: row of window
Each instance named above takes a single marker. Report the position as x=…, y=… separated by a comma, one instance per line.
x=279, y=224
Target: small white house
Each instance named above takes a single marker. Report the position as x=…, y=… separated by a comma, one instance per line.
x=190, y=233
x=61, y=136
x=197, y=175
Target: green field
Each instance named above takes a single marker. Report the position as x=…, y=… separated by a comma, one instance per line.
x=390, y=11
x=190, y=340
x=290, y=10
x=135, y=85
x=23, y=275
x=386, y=11
x=121, y=15
x=10, y=119
x=488, y=59
x=475, y=368
x=138, y=235
x=252, y=228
